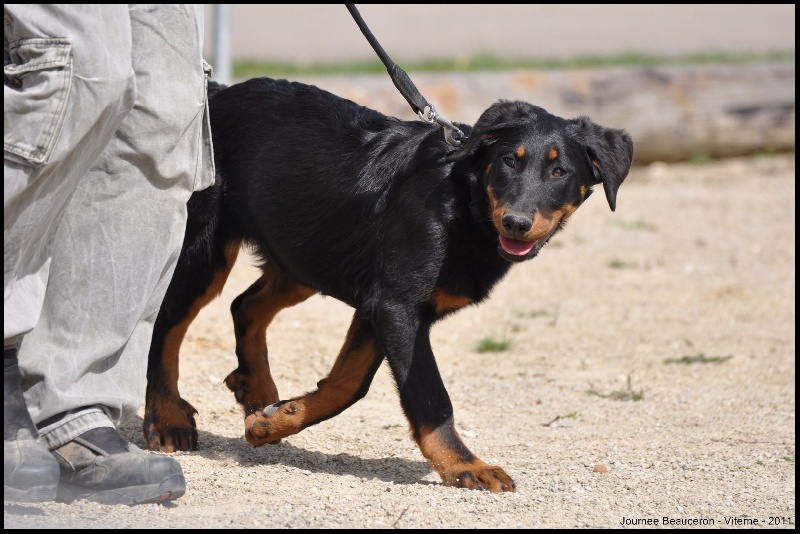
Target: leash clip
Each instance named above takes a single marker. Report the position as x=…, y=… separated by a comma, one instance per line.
x=453, y=136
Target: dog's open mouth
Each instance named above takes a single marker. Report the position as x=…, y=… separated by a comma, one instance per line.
x=517, y=250
x=515, y=247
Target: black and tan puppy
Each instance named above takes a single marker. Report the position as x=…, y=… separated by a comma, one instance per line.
x=382, y=215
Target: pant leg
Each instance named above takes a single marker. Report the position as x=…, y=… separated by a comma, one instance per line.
x=63, y=101
x=116, y=249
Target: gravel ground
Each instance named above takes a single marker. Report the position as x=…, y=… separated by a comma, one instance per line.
x=650, y=374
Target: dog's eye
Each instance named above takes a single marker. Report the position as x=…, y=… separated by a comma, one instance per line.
x=558, y=172
x=510, y=161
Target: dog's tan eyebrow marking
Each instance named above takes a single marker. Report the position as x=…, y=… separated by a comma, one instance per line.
x=553, y=154
x=488, y=168
x=520, y=151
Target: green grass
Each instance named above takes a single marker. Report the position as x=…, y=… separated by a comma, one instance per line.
x=698, y=358
x=572, y=415
x=489, y=344
x=765, y=152
x=637, y=224
x=244, y=69
x=532, y=314
x=619, y=264
x=619, y=395
x=789, y=459
x=700, y=157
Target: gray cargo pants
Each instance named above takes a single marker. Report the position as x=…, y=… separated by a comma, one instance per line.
x=105, y=137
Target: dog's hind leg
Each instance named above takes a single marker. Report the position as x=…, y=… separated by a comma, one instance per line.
x=169, y=423
x=347, y=382
x=252, y=312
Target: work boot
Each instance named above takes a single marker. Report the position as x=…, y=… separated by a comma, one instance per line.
x=100, y=466
x=30, y=472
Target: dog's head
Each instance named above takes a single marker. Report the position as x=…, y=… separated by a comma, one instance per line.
x=535, y=169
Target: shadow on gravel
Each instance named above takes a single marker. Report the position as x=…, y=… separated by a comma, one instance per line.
x=214, y=447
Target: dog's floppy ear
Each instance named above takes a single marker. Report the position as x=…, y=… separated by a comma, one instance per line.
x=610, y=153
x=499, y=117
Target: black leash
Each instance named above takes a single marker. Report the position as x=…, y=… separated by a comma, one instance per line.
x=452, y=134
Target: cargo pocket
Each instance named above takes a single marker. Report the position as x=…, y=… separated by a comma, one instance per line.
x=38, y=80
x=205, y=167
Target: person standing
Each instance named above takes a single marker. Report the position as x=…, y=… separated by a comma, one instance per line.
x=105, y=137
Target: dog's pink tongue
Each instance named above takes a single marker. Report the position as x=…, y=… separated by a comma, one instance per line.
x=516, y=247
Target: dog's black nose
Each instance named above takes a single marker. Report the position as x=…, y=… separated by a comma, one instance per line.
x=516, y=224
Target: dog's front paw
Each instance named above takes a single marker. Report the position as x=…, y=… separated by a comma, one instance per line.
x=273, y=423
x=478, y=476
x=170, y=427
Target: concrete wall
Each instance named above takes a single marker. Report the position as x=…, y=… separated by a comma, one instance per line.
x=309, y=33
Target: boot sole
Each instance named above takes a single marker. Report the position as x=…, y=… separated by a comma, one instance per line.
x=168, y=489
x=35, y=494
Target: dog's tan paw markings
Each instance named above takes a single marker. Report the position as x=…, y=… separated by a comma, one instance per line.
x=259, y=427
x=237, y=383
x=495, y=479
x=489, y=478
x=468, y=480
x=258, y=430
x=233, y=380
x=241, y=392
x=273, y=409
